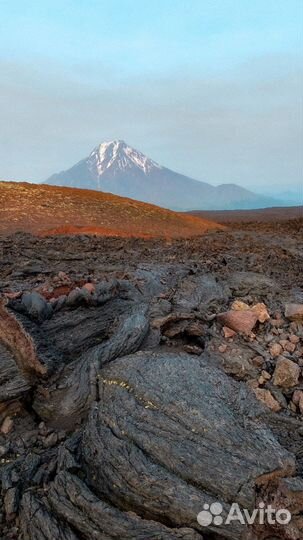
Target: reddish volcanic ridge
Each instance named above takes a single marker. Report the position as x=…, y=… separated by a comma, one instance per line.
x=50, y=210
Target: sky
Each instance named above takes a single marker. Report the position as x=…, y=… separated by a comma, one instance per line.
x=209, y=88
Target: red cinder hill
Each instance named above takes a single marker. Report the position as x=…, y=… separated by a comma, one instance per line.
x=43, y=210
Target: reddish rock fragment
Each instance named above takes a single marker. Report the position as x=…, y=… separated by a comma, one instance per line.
x=261, y=311
x=239, y=321
x=228, y=332
x=294, y=312
x=267, y=398
x=7, y=425
x=275, y=350
x=286, y=373
x=90, y=287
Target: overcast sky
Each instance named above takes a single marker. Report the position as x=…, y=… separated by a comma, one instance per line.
x=210, y=88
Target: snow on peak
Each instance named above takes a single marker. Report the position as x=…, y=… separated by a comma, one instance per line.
x=118, y=156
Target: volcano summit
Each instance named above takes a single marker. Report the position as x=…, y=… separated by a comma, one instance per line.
x=118, y=168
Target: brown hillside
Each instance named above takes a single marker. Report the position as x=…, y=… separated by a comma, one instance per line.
x=43, y=210
x=260, y=215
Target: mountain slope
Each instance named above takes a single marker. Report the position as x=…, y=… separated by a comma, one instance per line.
x=42, y=209
x=117, y=168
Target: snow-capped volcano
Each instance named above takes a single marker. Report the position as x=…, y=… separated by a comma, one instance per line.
x=118, y=168
x=118, y=156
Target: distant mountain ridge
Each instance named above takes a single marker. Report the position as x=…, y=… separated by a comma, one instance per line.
x=117, y=168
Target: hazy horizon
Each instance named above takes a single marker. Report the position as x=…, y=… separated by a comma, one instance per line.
x=211, y=89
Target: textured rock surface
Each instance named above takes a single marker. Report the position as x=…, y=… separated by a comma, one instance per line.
x=286, y=373
x=267, y=398
x=239, y=321
x=183, y=427
x=294, y=312
x=110, y=430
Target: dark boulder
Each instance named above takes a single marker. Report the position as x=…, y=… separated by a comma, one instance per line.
x=200, y=292
x=71, y=393
x=13, y=384
x=171, y=433
x=36, y=307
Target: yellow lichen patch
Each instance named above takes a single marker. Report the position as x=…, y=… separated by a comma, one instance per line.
x=147, y=404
